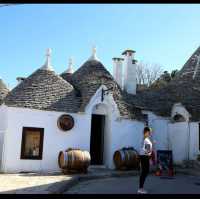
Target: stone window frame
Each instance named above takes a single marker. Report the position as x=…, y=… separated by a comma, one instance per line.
x=24, y=133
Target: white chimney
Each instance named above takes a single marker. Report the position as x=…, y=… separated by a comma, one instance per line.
x=117, y=70
x=130, y=71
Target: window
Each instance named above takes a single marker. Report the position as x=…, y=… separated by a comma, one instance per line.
x=32, y=143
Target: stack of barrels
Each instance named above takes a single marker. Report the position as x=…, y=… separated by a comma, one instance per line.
x=126, y=159
x=74, y=160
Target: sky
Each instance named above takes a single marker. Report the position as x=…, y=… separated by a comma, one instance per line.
x=165, y=34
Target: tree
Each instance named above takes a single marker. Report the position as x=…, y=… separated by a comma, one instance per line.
x=164, y=79
x=166, y=76
x=174, y=73
x=147, y=73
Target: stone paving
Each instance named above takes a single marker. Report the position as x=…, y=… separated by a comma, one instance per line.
x=32, y=183
x=57, y=183
x=179, y=184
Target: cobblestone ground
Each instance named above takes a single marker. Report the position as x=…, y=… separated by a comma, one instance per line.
x=180, y=184
x=30, y=183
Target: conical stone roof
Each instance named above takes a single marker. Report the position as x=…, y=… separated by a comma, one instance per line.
x=67, y=77
x=44, y=90
x=191, y=69
x=67, y=74
x=3, y=91
x=184, y=88
x=90, y=76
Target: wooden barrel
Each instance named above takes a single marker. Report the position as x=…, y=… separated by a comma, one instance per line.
x=126, y=158
x=74, y=159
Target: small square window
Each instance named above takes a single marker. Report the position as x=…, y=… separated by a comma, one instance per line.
x=32, y=143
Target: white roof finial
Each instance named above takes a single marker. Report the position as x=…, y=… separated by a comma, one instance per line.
x=94, y=54
x=47, y=65
x=70, y=66
x=70, y=62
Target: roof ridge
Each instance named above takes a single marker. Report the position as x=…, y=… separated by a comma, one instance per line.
x=189, y=68
x=47, y=65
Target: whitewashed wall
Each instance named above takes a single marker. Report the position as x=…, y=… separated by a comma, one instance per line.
x=194, y=140
x=108, y=108
x=160, y=130
x=54, y=139
x=3, y=128
x=118, y=132
x=179, y=141
x=180, y=137
x=125, y=133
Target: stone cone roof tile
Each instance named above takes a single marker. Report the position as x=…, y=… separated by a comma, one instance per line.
x=44, y=90
x=182, y=89
x=90, y=76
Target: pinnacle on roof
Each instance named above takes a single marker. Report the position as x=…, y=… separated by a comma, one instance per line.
x=47, y=65
x=70, y=66
x=94, y=54
x=44, y=90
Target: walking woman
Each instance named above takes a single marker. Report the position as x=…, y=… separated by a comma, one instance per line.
x=145, y=153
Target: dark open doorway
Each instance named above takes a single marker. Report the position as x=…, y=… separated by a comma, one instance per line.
x=97, y=139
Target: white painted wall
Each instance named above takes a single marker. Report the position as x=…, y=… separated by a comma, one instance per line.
x=179, y=141
x=118, y=71
x=3, y=129
x=194, y=140
x=180, y=137
x=119, y=132
x=54, y=139
x=160, y=130
x=125, y=133
x=108, y=108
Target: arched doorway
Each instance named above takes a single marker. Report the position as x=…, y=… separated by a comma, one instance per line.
x=178, y=118
x=98, y=119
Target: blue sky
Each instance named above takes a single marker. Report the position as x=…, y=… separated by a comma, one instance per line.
x=165, y=34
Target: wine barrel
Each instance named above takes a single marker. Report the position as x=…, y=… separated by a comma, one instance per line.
x=74, y=159
x=126, y=158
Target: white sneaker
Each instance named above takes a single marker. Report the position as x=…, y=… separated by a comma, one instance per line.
x=142, y=191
